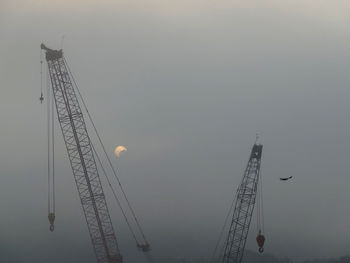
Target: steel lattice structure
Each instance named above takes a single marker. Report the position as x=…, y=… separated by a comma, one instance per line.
x=82, y=160
x=244, y=206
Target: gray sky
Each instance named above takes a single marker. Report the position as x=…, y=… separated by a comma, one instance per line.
x=185, y=86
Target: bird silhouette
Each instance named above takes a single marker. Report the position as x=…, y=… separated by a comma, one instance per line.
x=286, y=179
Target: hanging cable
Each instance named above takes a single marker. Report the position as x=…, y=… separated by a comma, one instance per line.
x=258, y=222
x=41, y=77
x=225, y=223
x=144, y=247
x=260, y=239
x=48, y=148
x=50, y=155
x=262, y=205
x=53, y=151
x=222, y=231
x=260, y=208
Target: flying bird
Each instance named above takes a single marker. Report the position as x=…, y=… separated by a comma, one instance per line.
x=286, y=179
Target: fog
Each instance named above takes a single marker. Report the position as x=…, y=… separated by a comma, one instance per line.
x=184, y=86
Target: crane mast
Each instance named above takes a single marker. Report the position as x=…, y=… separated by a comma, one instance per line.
x=243, y=210
x=80, y=152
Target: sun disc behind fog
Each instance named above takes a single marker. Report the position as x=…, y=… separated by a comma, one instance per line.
x=119, y=149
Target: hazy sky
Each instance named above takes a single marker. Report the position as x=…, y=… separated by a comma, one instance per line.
x=185, y=85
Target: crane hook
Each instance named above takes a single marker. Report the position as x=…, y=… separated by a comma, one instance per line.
x=260, y=239
x=52, y=220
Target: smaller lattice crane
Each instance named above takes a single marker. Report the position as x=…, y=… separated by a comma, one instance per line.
x=246, y=197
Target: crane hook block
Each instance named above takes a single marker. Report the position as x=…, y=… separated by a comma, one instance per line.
x=260, y=239
x=52, y=221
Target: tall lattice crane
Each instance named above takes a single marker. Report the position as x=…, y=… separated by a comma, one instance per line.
x=243, y=210
x=81, y=155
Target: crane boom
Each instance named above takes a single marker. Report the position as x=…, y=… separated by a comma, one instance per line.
x=244, y=206
x=82, y=160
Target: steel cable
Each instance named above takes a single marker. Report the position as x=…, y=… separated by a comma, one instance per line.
x=105, y=152
x=115, y=195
